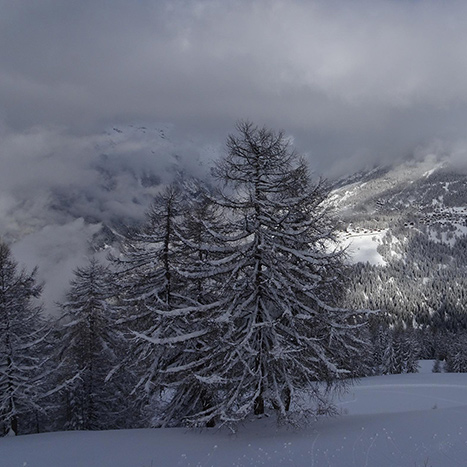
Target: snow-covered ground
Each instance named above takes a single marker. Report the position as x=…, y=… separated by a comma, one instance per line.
x=362, y=246
x=398, y=420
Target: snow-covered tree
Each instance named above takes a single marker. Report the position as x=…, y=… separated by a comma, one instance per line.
x=401, y=353
x=201, y=241
x=284, y=329
x=456, y=358
x=90, y=350
x=272, y=329
x=381, y=341
x=233, y=299
x=190, y=327
x=411, y=349
x=150, y=287
x=22, y=344
x=147, y=267
x=168, y=287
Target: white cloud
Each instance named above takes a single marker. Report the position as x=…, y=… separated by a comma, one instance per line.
x=57, y=250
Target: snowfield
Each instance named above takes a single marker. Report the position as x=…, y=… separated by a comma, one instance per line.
x=397, y=420
x=362, y=246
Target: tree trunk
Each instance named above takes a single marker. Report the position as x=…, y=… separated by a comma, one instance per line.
x=287, y=399
x=206, y=402
x=14, y=425
x=259, y=404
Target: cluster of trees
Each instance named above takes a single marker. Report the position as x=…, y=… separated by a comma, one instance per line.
x=226, y=303
x=421, y=292
x=23, y=363
x=231, y=300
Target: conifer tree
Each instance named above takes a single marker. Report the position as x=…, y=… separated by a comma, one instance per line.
x=275, y=328
x=456, y=358
x=285, y=329
x=22, y=343
x=90, y=349
x=241, y=291
x=149, y=288
x=192, y=326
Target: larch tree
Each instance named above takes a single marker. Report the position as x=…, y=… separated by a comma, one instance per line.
x=90, y=349
x=193, y=327
x=168, y=294
x=149, y=289
x=22, y=342
x=284, y=334
x=268, y=329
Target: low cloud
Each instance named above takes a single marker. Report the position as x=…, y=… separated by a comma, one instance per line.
x=56, y=250
x=56, y=190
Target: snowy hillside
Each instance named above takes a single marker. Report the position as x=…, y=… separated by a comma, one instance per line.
x=429, y=193
x=391, y=204
x=404, y=227
x=394, y=420
x=362, y=245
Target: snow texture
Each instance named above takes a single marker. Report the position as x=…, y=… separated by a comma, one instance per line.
x=396, y=420
x=362, y=246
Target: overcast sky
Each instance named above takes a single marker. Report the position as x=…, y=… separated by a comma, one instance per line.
x=353, y=82
x=349, y=79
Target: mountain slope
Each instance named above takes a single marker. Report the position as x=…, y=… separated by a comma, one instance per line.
x=409, y=222
x=420, y=192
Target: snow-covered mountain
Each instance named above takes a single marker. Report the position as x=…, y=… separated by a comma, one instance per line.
x=408, y=223
x=429, y=197
x=417, y=188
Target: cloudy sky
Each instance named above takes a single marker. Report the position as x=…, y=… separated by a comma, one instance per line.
x=354, y=82
x=366, y=80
